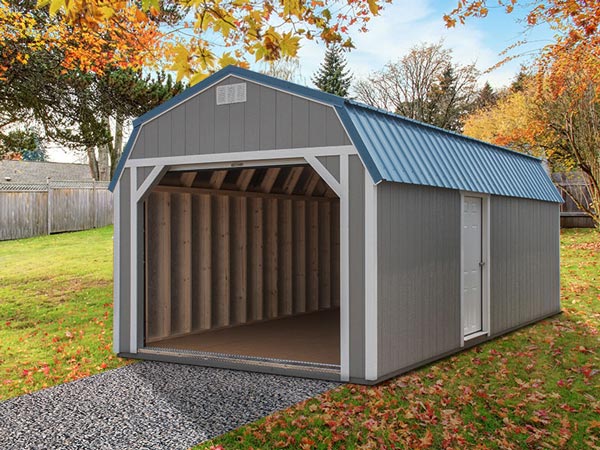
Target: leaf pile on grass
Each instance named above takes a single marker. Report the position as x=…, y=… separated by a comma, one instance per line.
x=535, y=388
x=55, y=310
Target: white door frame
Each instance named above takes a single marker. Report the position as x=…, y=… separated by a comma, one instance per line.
x=485, y=275
x=250, y=159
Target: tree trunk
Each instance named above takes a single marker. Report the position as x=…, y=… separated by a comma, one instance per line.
x=93, y=163
x=103, y=167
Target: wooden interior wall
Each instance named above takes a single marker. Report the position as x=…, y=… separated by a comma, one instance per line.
x=222, y=259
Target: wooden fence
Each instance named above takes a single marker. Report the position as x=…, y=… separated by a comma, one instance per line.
x=28, y=210
x=570, y=214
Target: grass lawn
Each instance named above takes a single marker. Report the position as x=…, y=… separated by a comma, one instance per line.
x=536, y=388
x=55, y=310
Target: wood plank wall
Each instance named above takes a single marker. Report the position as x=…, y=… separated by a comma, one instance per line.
x=216, y=260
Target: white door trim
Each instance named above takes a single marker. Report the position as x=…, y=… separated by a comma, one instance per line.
x=371, y=297
x=243, y=157
x=485, y=276
x=137, y=196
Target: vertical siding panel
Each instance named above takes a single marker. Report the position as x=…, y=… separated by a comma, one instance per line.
x=221, y=260
x=239, y=259
x=419, y=274
x=283, y=128
x=271, y=263
x=286, y=258
x=357, y=266
x=205, y=270
x=206, y=125
x=252, y=117
x=300, y=121
x=256, y=259
x=335, y=131
x=181, y=289
x=192, y=126
x=162, y=303
x=524, y=265
x=300, y=281
x=178, y=131
x=236, y=127
x=312, y=244
x=317, y=124
x=324, y=255
x=221, y=127
x=335, y=253
x=164, y=134
x=268, y=114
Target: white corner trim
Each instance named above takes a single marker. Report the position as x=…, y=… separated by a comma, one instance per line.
x=344, y=270
x=151, y=179
x=324, y=174
x=371, y=296
x=486, y=257
x=116, y=270
x=249, y=156
x=133, y=261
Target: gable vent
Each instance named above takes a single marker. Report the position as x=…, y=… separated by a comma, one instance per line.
x=232, y=93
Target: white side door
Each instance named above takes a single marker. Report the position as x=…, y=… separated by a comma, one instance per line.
x=472, y=265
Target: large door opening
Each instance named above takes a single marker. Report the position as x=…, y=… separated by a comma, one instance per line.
x=245, y=262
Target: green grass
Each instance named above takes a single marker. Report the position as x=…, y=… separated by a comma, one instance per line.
x=55, y=310
x=536, y=388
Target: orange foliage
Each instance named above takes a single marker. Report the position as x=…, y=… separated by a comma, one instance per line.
x=242, y=28
x=126, y=39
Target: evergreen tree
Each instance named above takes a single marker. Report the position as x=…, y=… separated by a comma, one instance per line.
x=332, y=76
x=486, y=98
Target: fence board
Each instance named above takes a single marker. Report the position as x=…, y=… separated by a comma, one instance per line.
x=38, y=209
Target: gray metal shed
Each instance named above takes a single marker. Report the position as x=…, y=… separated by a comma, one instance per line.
x=266, y=226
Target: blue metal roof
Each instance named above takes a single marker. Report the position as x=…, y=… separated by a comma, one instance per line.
x=397, y=149
x=407, y=151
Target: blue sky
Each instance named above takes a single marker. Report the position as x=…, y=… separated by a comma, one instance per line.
x=406, y=23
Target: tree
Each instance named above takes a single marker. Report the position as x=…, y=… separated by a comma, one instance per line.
x=286, y=68
x=332, y=76
x=265, y=31
x=566, y=91
x=22, y=144
x=486, y=98
x=563, y=128
x=73, y=89
x=423, y=85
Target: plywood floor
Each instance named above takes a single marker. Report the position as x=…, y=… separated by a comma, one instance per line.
x=313, y=337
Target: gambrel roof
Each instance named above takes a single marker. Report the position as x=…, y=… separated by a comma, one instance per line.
x=394, y=148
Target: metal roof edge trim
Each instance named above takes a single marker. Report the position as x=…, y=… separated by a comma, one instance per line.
x=435, y=128
x=362, y=149
x=124, y=156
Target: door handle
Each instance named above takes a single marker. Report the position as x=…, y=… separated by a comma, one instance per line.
x=481, y=263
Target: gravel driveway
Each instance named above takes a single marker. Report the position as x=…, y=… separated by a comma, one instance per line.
x=148, y=405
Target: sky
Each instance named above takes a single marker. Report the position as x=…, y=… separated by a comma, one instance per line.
x=407, y=23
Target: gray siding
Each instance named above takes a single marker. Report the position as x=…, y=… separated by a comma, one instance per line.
x=524, y=248
x=418, y=247
x=357, y=267
x=124, y=252
x=332, y=163
x=268, y=120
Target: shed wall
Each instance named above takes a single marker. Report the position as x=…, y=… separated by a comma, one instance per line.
x=268, y=120
x=357, y=266
x=418, y=247
x=123, y=228
x=524, y=247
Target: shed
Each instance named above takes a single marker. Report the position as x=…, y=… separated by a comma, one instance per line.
x=262, y=225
